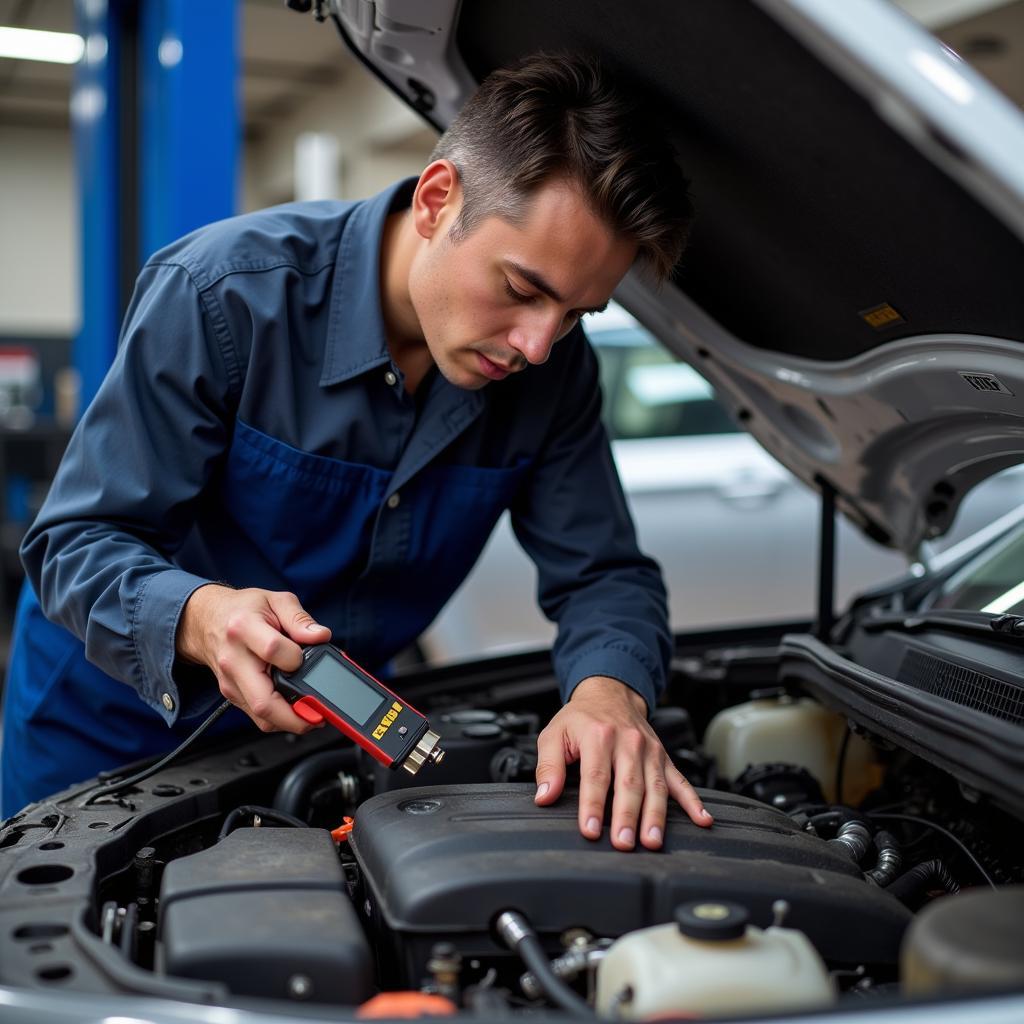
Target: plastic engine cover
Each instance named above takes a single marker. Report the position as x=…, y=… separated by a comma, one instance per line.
x=439, y=863
x=264, y=907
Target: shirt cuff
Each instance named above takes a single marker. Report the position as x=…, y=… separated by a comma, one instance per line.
x=154, y=634
x=616, y=664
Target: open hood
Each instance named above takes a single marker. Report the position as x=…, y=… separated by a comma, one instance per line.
x=854, y=286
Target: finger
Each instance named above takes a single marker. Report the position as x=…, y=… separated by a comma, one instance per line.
x=687, y=798
x=652, y=824
x=550, y=765
x=296, y=621
x=251, y=632
x=630, y=746
x=595, y=777
x=263, y=704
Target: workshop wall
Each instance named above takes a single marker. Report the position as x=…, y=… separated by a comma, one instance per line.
x=39, y=233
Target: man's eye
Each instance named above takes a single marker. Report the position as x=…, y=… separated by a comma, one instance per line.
x=516, y=296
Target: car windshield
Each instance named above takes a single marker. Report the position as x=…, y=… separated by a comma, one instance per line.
x=993, y=582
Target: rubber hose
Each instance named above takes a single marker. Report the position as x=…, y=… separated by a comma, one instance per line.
x=890, y=859
x=854, y=839
x=912, y=887
x=517, y=933
x=536, y=960
x=291, y=794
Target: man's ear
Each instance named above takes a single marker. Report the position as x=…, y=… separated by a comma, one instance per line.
x=437, y=199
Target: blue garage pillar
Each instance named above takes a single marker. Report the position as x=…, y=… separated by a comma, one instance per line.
x=157, y=132
x=189, y=128
x=96, y=109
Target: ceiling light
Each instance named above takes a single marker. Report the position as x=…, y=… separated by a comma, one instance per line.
x=30, y=44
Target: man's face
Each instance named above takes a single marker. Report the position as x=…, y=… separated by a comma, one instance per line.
x=501, y=297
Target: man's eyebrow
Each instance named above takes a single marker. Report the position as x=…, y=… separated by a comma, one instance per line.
x=538, y=282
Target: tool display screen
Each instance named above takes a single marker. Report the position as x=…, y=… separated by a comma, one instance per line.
x=344, y=689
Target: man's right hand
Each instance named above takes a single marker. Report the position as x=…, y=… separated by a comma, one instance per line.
x=239, y=635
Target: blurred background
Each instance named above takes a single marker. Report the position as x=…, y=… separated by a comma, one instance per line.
x=126, y=123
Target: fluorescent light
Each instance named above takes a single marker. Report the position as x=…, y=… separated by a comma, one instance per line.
x=30, y=44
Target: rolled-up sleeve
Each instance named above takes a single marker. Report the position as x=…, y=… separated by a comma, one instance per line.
x=99, y=553
x=572, y=519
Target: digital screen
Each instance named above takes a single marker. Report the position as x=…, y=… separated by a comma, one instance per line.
x=344, y=689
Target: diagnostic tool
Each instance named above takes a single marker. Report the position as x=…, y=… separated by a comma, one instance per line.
x=330, y=686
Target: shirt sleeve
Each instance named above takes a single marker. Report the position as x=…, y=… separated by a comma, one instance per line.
x=572, y=519
x=99, y=553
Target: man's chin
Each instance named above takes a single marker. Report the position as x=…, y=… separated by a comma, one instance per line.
x=462, y=378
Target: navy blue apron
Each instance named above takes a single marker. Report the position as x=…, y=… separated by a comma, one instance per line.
x=65, y=720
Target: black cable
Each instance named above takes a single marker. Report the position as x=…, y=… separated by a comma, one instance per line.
x=938, y=828
x=264, y=812
x=134, y=780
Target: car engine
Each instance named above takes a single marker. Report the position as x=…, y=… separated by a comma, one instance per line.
x=297, y=868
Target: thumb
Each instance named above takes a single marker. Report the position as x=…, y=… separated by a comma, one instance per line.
x=295, y=621
x=550, y=765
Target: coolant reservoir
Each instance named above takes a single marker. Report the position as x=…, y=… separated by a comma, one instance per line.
x=710, y=963
x=796, y=731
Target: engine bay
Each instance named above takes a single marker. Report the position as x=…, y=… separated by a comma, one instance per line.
x=299, y=869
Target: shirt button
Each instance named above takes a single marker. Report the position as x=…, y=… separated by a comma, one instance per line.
x=394, y=500
x=168, y=701
x=390, y=378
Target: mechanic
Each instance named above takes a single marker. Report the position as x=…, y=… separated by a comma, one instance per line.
x=316, y=416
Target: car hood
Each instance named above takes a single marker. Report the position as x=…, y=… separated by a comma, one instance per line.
x=854, y=285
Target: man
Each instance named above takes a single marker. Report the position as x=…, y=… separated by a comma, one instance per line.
x=327, y=406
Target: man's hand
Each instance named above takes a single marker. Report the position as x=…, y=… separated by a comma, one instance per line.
x=239, y=635
x=604, y=727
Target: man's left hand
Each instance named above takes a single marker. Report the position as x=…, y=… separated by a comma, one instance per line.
x=604, y=726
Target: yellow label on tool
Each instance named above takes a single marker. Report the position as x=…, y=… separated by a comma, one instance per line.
x=385, y=722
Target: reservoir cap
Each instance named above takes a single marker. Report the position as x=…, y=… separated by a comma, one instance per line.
x=712, y=920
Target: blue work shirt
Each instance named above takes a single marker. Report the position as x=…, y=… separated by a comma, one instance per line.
x=254, y=430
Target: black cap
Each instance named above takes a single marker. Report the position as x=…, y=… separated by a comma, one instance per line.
x=712, y=920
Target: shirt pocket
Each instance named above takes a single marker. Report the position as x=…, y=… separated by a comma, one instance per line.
x=310, y=516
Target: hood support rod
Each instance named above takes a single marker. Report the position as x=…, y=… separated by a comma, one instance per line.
x=826, y=560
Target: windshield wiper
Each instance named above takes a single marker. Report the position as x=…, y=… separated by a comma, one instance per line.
x=976, y=624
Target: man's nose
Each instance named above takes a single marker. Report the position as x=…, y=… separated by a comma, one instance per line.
x=533, y=339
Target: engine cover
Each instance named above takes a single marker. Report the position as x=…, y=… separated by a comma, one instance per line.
x=441, y=862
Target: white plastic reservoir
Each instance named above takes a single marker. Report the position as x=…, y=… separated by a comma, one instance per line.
x=711, y=963
x=791, y=730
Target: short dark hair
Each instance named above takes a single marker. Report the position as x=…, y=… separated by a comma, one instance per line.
x=559, y=115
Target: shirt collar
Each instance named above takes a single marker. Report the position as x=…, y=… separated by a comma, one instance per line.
x=356, y=341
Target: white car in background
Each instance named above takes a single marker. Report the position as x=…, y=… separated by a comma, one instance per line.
x=733, y=530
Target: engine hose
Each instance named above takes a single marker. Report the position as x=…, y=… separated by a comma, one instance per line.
x=889, y=861
x=518, y=934
x=912, y=887
x=291, y=795
x=854, y=839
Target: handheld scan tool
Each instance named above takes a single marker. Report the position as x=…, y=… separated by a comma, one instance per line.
x=330, y=685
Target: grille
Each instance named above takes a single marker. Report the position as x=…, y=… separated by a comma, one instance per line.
x=963, y=686
x=986, y=382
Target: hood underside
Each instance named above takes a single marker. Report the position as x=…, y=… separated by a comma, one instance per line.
x=854, y=284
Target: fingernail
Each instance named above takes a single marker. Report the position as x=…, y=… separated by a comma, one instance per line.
x=626, y=836
x=542, y=791
x=311, y=626
x=704, y=814
x=654, y=834
x=593, y=825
